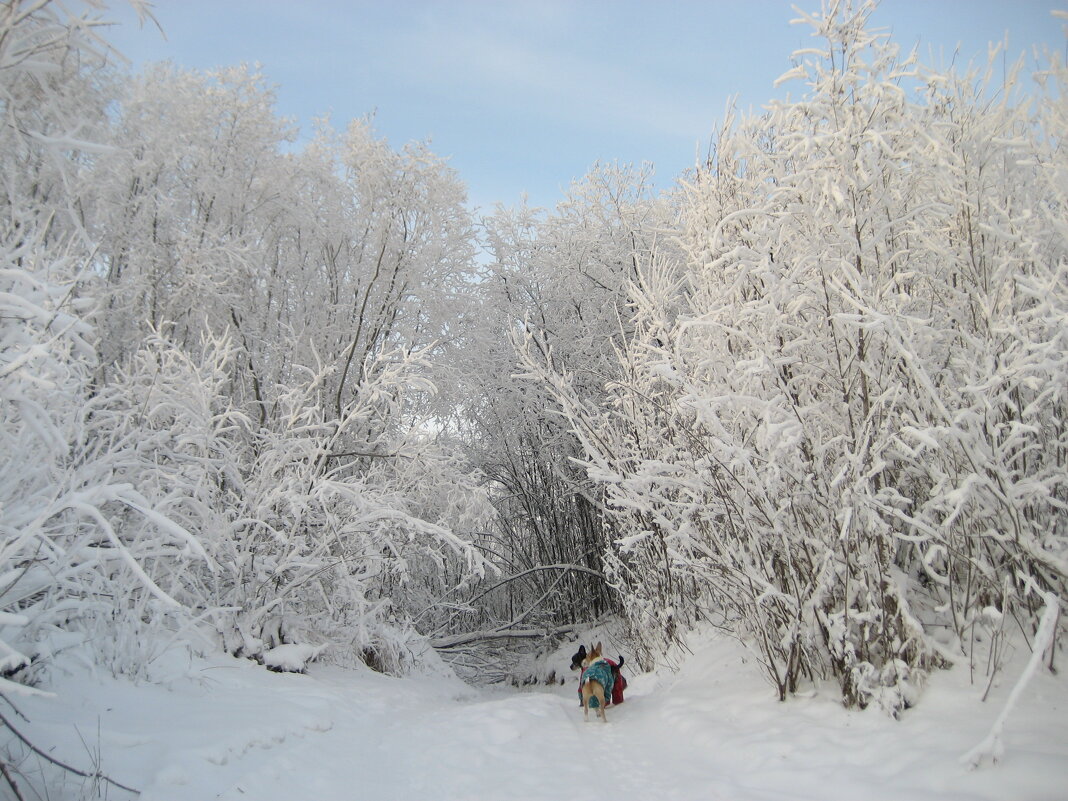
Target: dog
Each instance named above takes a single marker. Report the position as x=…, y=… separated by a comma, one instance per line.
x=620, y=683
x=596, y=673
x=600, y=683
x=576, y=660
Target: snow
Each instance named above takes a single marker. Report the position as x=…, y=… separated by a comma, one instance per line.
x=224, y=728
x=293, y=658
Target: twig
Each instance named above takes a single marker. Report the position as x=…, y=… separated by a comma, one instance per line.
x=10, y=781
x=49, y=758
x=537, y=568
x=14, y=708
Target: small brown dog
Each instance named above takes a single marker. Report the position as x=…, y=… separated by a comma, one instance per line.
x=594, y=672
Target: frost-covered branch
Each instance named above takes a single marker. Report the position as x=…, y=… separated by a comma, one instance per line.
x=992, y=746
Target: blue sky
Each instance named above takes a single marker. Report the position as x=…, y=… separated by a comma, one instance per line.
x=523, y=96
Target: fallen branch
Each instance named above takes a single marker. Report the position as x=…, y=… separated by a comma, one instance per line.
x=507, y=630
x=456, y=640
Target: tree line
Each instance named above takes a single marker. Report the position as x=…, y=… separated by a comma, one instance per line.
x=252, y=393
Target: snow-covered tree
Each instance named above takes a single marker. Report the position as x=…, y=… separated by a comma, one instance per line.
x=566, y=273
x=298, y=310
x=74, y=531
x=63, y=504
x=220, y=363
x=185, y=202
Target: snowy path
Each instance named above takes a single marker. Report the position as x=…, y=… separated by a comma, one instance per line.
x=711, y=731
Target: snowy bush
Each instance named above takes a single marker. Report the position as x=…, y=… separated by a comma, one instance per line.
x=75, y=529
x=305, y=537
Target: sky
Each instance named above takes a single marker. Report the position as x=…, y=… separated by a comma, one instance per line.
x=524, y=96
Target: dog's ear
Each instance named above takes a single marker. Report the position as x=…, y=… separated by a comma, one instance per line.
x=582, y=650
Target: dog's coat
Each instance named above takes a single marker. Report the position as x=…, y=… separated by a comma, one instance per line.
x=593, y=688
x=602, y=673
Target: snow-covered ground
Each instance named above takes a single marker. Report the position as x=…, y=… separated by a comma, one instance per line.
x=228, y=729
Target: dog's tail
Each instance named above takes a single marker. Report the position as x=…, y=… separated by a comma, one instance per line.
x=620, y=661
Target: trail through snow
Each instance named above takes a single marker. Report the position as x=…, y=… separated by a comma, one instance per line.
x=227, y=729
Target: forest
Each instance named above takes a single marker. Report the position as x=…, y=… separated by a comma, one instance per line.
x=815, y=395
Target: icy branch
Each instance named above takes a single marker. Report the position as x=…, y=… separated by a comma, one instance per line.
x=992, y=746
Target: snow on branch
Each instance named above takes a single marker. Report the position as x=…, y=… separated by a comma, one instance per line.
x=992, y=746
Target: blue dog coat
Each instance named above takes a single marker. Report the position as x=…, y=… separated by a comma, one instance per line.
x=600, y=672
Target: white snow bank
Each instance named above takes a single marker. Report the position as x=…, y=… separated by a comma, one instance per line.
x=228, y=729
